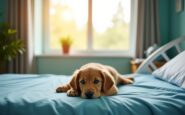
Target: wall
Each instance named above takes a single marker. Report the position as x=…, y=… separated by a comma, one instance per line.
x=172, y=24
x=2, y=10
x=66, y=65
x=177, y=22
x=164, y=13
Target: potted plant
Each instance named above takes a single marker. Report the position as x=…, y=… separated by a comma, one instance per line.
x=9, y=45
x=66, y=43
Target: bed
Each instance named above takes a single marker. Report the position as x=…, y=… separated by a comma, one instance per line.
x=26, y=94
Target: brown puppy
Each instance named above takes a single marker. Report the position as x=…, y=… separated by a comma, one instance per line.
x=94, y=80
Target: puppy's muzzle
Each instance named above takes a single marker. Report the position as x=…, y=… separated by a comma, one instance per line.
x=89, y=94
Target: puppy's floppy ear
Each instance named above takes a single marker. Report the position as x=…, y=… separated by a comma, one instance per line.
x=108, y=81
x=74, y=81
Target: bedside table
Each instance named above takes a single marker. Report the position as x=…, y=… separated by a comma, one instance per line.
x=159, y=63
x=135, y=64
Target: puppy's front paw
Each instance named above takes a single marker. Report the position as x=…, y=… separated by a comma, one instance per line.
x=72, y=93
x=61, y=89
x=129, y=81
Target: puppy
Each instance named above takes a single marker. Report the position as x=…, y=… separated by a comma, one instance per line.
x=94, y=80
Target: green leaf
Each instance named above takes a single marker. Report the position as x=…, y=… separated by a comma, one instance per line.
x=9, y=45
x=11, y=31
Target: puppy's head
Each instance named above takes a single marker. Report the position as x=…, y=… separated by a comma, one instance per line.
x=91, y=82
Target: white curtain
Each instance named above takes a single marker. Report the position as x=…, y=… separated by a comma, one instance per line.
x=20, y=17
x=147, y=26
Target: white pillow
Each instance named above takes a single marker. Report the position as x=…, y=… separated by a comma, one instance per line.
x=173, y=71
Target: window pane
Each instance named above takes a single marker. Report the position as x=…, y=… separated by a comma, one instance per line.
x=111, y=19
x=68, y=18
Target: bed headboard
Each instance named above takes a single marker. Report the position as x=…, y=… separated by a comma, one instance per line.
x=148, y=65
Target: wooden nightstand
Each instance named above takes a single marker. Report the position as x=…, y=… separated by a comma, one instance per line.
x=159, y=63
x=135, y=63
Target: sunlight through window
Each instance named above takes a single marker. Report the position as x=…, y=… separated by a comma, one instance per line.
x=110, y=24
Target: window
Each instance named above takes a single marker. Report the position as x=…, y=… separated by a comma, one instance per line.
x=97, y=26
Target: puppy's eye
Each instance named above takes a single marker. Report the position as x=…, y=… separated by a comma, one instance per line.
x=82, y=81
x=96, y=81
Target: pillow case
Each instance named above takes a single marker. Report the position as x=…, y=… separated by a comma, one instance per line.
x=173, y=71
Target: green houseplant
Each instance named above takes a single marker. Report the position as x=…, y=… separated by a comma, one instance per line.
x=9, y=45
x=66, y=43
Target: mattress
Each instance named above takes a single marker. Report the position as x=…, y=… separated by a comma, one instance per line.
x=25, y=94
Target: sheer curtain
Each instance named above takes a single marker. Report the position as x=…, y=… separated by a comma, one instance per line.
x=147, y=26
x=20, y=16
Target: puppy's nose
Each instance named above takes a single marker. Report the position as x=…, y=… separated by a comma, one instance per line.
x=89, y=94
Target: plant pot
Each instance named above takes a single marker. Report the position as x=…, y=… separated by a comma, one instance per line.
x=65, y=48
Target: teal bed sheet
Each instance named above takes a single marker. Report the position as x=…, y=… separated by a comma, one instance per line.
x=24, y=94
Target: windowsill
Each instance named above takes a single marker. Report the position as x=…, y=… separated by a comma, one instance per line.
x=89, y=54
x=84, y=55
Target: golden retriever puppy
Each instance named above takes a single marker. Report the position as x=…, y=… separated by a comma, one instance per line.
x=94, y=80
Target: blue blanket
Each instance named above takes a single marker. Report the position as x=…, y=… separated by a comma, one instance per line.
x=35, y=95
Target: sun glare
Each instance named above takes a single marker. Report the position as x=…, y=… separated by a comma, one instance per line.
x=74, y=10
x=102, y=14
x=67, y=15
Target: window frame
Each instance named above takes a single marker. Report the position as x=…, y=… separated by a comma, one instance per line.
x=90, y=51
